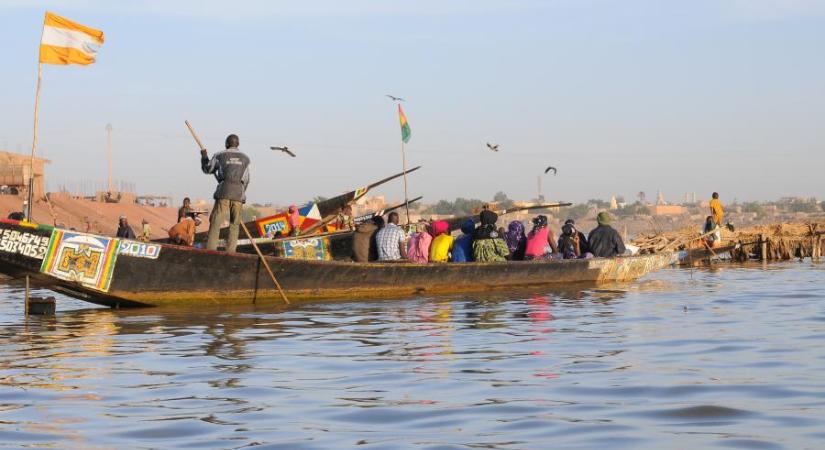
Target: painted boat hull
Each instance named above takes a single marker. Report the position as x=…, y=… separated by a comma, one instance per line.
x=183, y=275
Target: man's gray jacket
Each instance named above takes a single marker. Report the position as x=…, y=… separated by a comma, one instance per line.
x=231, y=169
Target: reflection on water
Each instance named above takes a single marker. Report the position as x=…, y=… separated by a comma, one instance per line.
x=726, y=357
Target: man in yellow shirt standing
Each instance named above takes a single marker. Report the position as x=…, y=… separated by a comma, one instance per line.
x=716, y=209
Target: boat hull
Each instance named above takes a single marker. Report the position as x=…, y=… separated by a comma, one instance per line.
x=184, y=275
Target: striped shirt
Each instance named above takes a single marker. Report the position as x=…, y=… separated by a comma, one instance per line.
x=387, y=240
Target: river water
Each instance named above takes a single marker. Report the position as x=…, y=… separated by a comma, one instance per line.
x=729, y=357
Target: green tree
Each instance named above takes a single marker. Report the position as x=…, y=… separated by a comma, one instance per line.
x=634, y=209
x=599, y=204
x=503, y=201
x=578, y=211
x=460, y=207
x=807, y=206
x=754, y=207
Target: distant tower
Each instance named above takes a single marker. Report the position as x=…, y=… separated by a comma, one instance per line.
x=613, y=203
x=694, y=197
x=660, y=199
x=540, y=196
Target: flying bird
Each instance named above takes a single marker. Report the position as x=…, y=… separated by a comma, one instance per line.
x=549, y=168
x=394, y=98
x=284, y=149
x=492, y=147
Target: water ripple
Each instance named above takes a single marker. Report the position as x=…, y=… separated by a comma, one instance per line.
x=723, y=357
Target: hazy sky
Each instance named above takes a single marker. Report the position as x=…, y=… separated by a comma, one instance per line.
x=621, y=96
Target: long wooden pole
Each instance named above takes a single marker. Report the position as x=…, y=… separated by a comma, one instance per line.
x=34, y=140
x=192, y=130
x=265, y=263
x=406, y=197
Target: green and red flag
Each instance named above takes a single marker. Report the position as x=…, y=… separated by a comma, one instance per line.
x=405, y=126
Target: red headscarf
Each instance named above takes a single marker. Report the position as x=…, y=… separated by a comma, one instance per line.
x=294, y=216
x=440, y=227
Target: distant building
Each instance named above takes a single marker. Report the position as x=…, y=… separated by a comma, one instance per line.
x=660, y=199
x=668, y=210
x=15, y=169
x=369, y=204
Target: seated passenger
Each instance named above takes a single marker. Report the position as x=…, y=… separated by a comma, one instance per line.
x=516, y=240
x=390, y=240
x=488, y=246
x=585, y=247
x=294, y=220
x=363, y=241
x=540, y=241
x=569, y=243
x=442, y=243
x=344, y=220
x=418, y=247
x=605, y=242
x=183, y=232
x=463, y=245
x=715, y=231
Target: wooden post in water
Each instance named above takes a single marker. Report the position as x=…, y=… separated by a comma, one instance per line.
x=764, y=248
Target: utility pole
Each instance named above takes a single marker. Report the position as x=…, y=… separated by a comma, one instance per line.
x=109, y=153
x=539, y=196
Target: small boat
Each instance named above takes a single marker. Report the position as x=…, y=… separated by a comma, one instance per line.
x=700, y=256
x=124, y=273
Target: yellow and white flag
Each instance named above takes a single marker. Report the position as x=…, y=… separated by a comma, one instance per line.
x=67, y=42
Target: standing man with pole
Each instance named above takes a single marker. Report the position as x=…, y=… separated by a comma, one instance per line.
x=231, y=169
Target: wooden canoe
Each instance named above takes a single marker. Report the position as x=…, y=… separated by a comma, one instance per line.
x=121, y=273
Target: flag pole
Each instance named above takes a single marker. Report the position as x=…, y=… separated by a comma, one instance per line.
x=30, y=196
x=404, y=164
x=34, y=139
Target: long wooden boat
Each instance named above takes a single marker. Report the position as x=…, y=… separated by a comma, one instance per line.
x=121, y=273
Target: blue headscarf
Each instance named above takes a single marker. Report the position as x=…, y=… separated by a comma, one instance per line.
x=468, y=226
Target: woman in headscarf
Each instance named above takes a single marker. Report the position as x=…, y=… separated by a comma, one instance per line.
x=569, y=244
x=442, y=243
x=488, y=246
x=539, y=239
x=418, y=247
x=516, y=240
x=463, y=245
x=294, y=220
